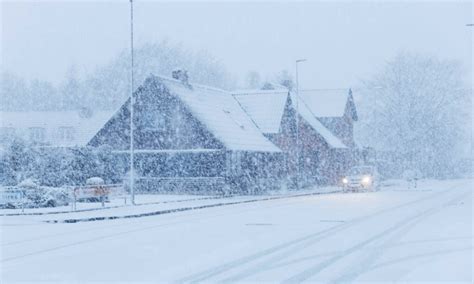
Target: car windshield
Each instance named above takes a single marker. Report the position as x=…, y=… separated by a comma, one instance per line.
x=360, y=171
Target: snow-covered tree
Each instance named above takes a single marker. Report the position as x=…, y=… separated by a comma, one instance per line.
x=19, y=159
x=285, y=78
x=72, y=97
x=17, y=93
x=253, y=80
x=110, y=84
x=414, y=109
x=13, y=92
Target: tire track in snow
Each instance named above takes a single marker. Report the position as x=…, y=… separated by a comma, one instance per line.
x=364, y=265
x=420, y=256
x=111, y=236
x=332, y=253
x=74, y=232
x=288, y=248
x=175, y=210
x=268, y=263
x=405, y=223
x=120, y=225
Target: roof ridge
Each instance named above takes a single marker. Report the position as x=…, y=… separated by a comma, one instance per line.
x=256, y=92
x=194, y=85
x=325, y=89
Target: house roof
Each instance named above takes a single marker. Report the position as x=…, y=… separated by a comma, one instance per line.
x=326, y=102
x=266, y=108
x=85, y=127
x=221, y=114
x=305, y=110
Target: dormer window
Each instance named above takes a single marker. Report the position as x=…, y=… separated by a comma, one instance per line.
x=37, y=134
x=7, y=133
x=66, y=133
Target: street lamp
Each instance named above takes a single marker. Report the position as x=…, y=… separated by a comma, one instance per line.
x=132, y=102
x=471, y=25
x=297, y=127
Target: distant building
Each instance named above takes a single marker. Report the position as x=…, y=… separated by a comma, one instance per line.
x=50, y=146
x=52, y=128
x=325, y=130
x=191, y=138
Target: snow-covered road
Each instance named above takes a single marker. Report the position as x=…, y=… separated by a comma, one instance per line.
x=392, y=235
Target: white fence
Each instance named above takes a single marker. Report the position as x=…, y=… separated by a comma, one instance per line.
x=12, y=195
x=101, y=193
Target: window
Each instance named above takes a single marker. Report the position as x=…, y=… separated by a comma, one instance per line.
x=7, y=133
x=66, y=133
x=154, y=121
x=37, y=134
x=235, y=161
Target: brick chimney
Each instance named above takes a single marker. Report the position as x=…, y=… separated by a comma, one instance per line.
x=181, y=75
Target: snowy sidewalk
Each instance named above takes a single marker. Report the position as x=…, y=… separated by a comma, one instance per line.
x=141, y=199
x=156, y=205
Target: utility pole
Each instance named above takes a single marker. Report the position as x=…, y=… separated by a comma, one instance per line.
x=472, y=121
x=298, y=166
x=376, y=130
x=132, y=103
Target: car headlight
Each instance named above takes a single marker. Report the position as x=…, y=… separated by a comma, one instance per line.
x=366, y=180
x=345, y=181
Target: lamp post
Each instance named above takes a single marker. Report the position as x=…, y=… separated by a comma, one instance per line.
x=472, y=155
x=297, y=127
x=132, y=102
x=376, y=122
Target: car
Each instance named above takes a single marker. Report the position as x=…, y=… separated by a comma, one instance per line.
x=361, y=178
x=95, y=190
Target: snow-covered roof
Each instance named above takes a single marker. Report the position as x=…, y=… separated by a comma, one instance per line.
x=266, y=108
x=307, y=113
x=82, y=127
x=222, y=115
x=326, y=102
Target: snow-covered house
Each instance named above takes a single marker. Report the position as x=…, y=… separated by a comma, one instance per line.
x=190, y=137
x=323, y=155
x=50, y=146
x=52, y=128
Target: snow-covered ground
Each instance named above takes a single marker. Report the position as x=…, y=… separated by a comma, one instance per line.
x=116, y=202
x=396, y=234
x=145, y=204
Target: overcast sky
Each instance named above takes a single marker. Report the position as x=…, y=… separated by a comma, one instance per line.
x=343, y=42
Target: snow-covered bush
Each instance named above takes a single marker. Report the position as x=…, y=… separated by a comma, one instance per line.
x=40, y=196
x=57, y=167
x=28, y=183
x=95, y=181
x=17, y=162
